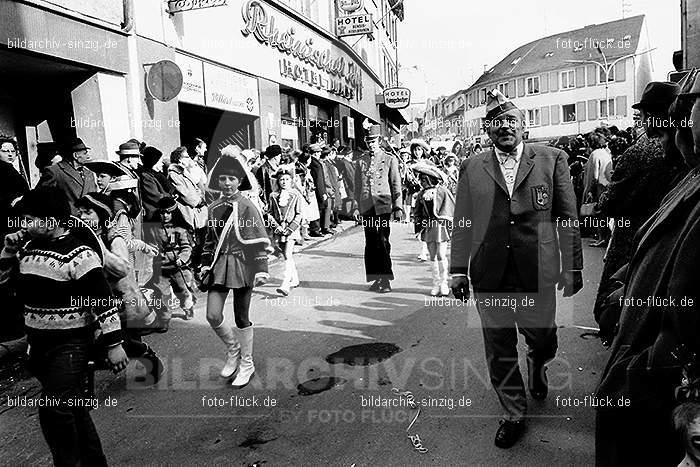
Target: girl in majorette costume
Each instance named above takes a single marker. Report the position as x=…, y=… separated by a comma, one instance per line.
x=433, y=219
x=285, y=217
x=234, y=258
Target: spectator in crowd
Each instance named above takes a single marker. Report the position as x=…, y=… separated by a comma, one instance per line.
x=190, y=201
x=322, y=226
x=307, y=188
x=458, y=150
x=9, y=153
x=657, y=339
x=70, y=175
x=330, y=175
x=643, y=176
x=596, y=179
x=451, y=169
x=265, y=175
x=421, y=153
x=686, y=423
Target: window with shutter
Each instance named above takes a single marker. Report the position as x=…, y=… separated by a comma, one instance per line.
x=568, y=112
x=621, y=104
x=592, y=110
x=544, y=115
x=553, y=81
x=544, y=82
x=580, y=77
x=590, y=75
x=521, y=87
x=554, y=114
x=620, y=70
x=581, y=111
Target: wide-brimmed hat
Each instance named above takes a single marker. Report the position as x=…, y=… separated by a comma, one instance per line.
x=227, y=165
x=106, y=167
x=657, y=96
x=78, y=145
x=430, y=170
x=129, y=149
x=497, y=104
x=98, y=202
x=421, y=143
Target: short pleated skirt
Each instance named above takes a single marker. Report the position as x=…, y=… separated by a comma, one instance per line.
x=230, y=271
x=435, y=233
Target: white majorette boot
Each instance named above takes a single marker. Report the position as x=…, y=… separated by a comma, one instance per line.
x=295, y=277
x=435, y=268
x=444, y=286
x=233, y=349
x=246, y=369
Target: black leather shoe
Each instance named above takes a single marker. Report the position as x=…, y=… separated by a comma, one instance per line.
x=156, y=326
x=509, y=433
x=537, y=380
x=375, y=286
x=384, y=286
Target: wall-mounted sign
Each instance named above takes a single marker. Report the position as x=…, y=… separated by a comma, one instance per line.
x=228, y=90
x=176, y=6
x=164, y=80
x=350, y=6
x=192, y=80
x=397, y=98
x=349, y=127
x=353, y=25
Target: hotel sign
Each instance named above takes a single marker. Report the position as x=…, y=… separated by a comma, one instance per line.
x=301, y=59
x=397, y=98
x=353, y=25
x=176, y=6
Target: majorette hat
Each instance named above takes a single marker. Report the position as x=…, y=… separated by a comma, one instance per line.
x=99, y=202
x=167, y=203
x=497, y=104
x=227, y=165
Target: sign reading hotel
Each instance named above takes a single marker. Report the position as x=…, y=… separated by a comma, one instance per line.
x=228, y=90
x=353, y=25
x=350, y=6
x=301, y=60
x=176, y=6
x=397, y=98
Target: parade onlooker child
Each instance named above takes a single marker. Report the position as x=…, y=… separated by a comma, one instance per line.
x=60, y=332
x=175, y=250
x=285, y=216
x=433, y=217
x=234, y=259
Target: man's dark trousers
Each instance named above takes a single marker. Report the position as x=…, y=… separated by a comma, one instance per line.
x=377, y=246
x=499, y=319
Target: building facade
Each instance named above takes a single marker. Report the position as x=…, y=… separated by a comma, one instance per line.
x=253, y=73
x=569, y=83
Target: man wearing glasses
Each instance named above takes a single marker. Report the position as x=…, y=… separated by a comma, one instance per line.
x=515, y=236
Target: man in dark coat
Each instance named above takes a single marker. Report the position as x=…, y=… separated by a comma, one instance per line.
x=321, y=226
x=657, y=342
x=266, y=172
x=378, y=191
x=70, y=175
x=515, y=235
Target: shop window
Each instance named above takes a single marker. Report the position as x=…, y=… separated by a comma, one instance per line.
x=568, y=113
x=290, y=106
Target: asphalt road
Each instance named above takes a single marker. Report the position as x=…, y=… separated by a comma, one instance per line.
x=302, y=410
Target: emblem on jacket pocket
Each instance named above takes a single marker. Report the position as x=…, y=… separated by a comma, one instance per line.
x=541, y=195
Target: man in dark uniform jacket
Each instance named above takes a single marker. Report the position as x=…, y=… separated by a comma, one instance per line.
x=378, y=191
x=70, y=175
x=321, y=226
x=515, y=235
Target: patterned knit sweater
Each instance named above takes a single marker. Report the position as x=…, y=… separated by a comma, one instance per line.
x=64, y=290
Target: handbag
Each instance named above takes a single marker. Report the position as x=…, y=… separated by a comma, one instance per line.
x=588, y=207
x=204, y=281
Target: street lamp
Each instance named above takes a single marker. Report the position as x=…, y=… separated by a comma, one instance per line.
x=606, y=68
